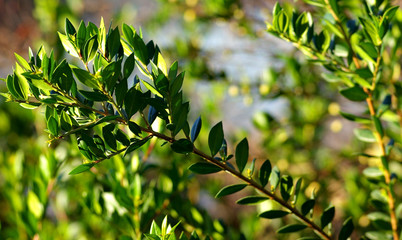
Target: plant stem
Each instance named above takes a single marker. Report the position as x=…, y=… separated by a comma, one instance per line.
x=319, y=231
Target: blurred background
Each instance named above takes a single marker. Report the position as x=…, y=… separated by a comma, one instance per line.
x=235, y=71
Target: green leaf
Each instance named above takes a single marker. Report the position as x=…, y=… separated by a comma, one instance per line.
x=81, y=37
x=182, y=146
x=265, y=172
x=70, y=30
x=162, y=64
x=272, y=214
x=390, y=12
x=134, y=128
x=94, y=96
x=122, y=137
x=81, y=168
x=275, y=178
x=121, y=91
x=241, y=155
x=63, y=76
x=90, y=48
x=110, y=139
x=380, y=220
x=378, y=125
x=136, y=144
x=327, y=216
x=347, y=229
x=249, y=200
x=355, y=118
x=291, y=228
x=65, y=121
x=286, y=187
x=129, y=65
x=365, y=135
x=355, y=93
x=113, y=44
x=53, y=126
x=204, y=168
x=110, y=74
x=215, y=138
x=86, y=78
x=297, y=190
x=230, y=190
x=22, y=62
x=133, y=101
x=195, y=129
x=20, y=84
x=68, y=45
x=140, y=49
x=307, y=206
x=281, y=21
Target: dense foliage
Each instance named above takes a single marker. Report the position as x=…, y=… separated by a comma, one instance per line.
x=115, y=103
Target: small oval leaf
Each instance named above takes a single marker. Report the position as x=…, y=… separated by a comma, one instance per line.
x=230, y=190
x=251, y=200
x=242, y=154
x=291, y=228
x=272, y=214
x=204, y=168
x=195, y=129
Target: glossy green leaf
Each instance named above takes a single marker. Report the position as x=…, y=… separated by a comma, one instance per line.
x=297, y=189
x=242, y=152
x=286, y=185
x=82, y=168
x=136, y=144
x=355, y=118
x=355, y=93
x=204, y=168
x=215, y=138
x=307, y=206
x=81, y=37
x=249, y=200
x=378, y=126
x=195, y=129
x=122, y=137
x=70, y=29
x=129, y=65
x=110, y=139
x=265, y=172
x=86, y=78
x=182, y=146
x=291, y=228
x=68, y=45
x=65, y=121
x=134, y=128
x=347, y=229
x=94, y=96
x=53, y=126
x=327, y=216
x=230, y=190
x=90, y=48
x=22, y=62
x=272, y=214
x=140, y=50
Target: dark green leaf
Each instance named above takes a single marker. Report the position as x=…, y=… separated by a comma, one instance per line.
x=307, y=206
x=94, y=96
x=65, y=121
x=230, y=190
x=272, y=214
x=136, y=144
x=265, y=172
x=110, y=139
x=354, y=118
x=113, y=44
x=134, y=128
x=215, y=138
x=53, y=126
x=81, y=168
x=122, y=137
x=356, y=94
x=140, y=49
x=90, y=48
x=241, y=155
x=110, y=74
x=81, y=36
x=195, y=129
x=121, y=91
x=297, y=190
x=70, y=30
x=291, y=228
x=347, y=229
x=183, y=146
x=204, y=168
x=86, y=78
x=286, y=187
x=378, y=125
x=129, y=65
x=327, y=216
x=251, y=200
